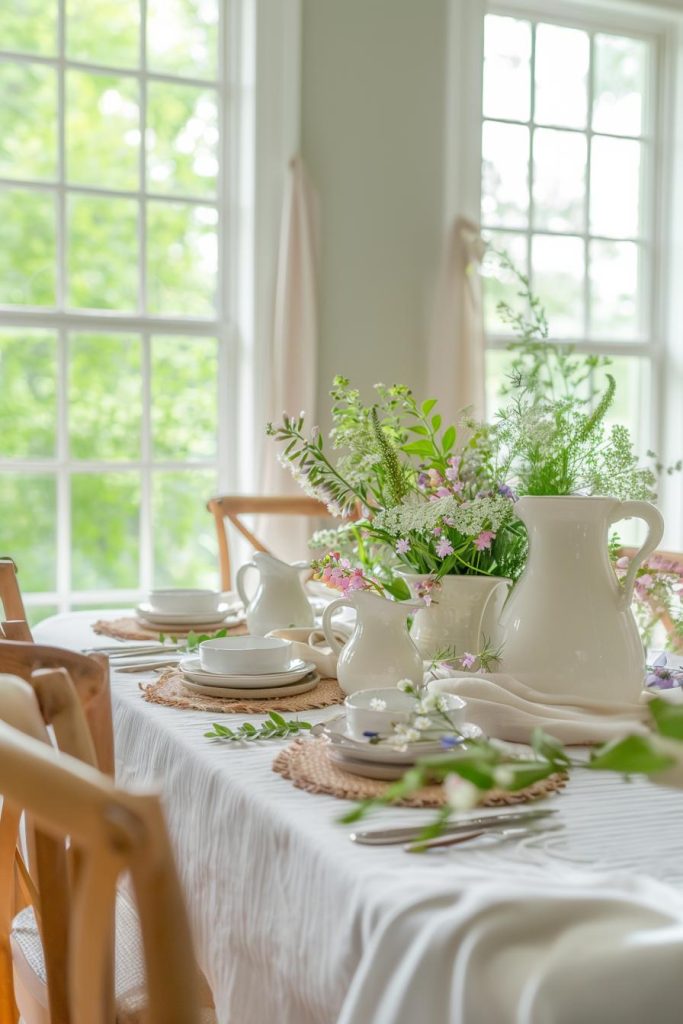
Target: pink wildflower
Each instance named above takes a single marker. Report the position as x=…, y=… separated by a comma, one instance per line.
x=403, y=545
x=444, y=548
x=468, y=660
x=435, y=478
x=443, y=492
x=484, y=540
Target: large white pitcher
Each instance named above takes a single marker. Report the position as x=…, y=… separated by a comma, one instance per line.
x=380, y=651
x=279, y=600
x=568, y=624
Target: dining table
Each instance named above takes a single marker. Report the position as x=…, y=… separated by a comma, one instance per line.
x=577, y=921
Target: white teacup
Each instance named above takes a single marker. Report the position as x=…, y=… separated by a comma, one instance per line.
x=180, y=601
x=245, y=655
x=362, y=717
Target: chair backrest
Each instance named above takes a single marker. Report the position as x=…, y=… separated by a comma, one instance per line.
x=99, y=832
x=89, y=675
x=670, y=562
x=14, y=624
x=229, y=508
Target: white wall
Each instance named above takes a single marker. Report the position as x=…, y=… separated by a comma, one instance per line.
x=372, y=138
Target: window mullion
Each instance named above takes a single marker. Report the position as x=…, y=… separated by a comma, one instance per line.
x=532, y=114
x=587, y=193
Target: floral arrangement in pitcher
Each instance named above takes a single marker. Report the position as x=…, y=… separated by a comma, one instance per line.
x=427, y=506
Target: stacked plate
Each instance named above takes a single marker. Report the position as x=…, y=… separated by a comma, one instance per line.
x=247, y=666
x=183, y=610
x=379, y=760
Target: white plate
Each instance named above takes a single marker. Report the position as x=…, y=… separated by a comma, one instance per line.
x=146, y=612
x=191, y=669
x=383, y=753
x=367, y=769
x=303, y=686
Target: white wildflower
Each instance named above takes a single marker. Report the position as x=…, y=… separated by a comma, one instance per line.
x=411, y=736
x=460, y=794
x=503, y=776
x=442, y=704
x=430, y=702
x=406, y=685
x=421, y=723
x=468, y=518
x=377, y=704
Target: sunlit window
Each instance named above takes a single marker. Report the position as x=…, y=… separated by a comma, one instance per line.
x=110, y=325
x=567, y=192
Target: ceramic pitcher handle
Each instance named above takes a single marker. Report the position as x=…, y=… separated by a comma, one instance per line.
x=239, y=582
x=652, y=517
x=487, y=602
x=328, y=629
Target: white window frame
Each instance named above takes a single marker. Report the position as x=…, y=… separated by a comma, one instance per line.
x=663, y=27
x=259, y=103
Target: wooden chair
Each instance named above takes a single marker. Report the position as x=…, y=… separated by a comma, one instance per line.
x=14, y=624
x=230, y=507
x=87, y=833
x=89, y=675
x=670, y=562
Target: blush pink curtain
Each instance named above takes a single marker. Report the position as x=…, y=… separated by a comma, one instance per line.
x=456, y=355
x=292, y=360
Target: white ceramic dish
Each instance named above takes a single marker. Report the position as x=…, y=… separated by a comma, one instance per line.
x=191, y=668
x=246, y=655
x=362, y=717
x=310, y=645
x=180, y=601
x=366, y=769
x=303, y=686
x=217, y=617
x=379, y=753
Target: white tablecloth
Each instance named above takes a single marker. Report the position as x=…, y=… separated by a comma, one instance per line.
x=295, y=924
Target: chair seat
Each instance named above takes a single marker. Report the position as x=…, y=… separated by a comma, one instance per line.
x=29, y=964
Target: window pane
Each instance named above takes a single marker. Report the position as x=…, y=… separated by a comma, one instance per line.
x=182, y=258
x=104, y=529
x=27, y=248
x=559, y=180
x=558, y=279
x=507, y=68
x=615, y=187
x=499, y=283
x=182, y=37
x=562, y=57
x=105, y=396
x=498, y=363
x=28, y=121
x=103, y=31
x=185, y=549
x=29, y=26
x=615, y=289
x=620, y=77
x=28, y=527
x=102, y=117
x=28, y=382
x=184, y=397
x=102, y=253
x=182, y=139
x=631, y=401
x=37, y=612
x=505, y=173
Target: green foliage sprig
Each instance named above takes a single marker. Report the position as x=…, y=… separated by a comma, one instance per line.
x=274, y=728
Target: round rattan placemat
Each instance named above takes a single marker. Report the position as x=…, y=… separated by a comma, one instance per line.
x=130, y=628
x=168, y=689
x=306, y=764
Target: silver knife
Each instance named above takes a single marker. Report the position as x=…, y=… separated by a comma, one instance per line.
x=389, y=836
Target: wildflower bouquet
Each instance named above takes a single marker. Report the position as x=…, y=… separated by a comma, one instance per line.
x=434, y=508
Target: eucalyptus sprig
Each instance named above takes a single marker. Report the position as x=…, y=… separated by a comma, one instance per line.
x=274, y=728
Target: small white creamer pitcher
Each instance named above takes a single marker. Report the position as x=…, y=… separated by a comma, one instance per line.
x=279, y=600
x=380, y=651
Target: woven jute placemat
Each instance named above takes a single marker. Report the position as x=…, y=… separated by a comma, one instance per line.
x=130, y=628
x=306, y=764
x=169, y=690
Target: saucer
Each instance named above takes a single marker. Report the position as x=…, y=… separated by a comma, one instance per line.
x=303, y=686
x=191, y=668
x=367, y=769
x=216, y=618
x=377, y=753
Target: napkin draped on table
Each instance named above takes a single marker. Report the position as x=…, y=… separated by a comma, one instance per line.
x=507, y=709
x=585, y=950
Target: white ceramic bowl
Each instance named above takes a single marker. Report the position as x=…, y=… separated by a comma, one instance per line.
x=245, y=655
x=362, y=717
x=192, y=602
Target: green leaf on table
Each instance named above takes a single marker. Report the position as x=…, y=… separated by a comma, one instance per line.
x=278, y=719
x=632, y=755
x=668, y=718
x=549, y=749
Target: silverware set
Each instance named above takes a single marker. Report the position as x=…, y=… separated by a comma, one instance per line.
x=459, y=832
x=140, y=656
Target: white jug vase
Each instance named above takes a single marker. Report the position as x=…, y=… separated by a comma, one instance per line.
x=568, y=624
x=463, y=616
x=380, y=651
x=279, y=600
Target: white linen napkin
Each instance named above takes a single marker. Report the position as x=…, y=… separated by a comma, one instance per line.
x=507, y=709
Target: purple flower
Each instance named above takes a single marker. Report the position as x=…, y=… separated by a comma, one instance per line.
x=403, y=545
x=662, y=676
x=448, y=742
x=370, y=735
x=507, y=492
x=444, y=548
x=484, y=540
x=468, y=660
